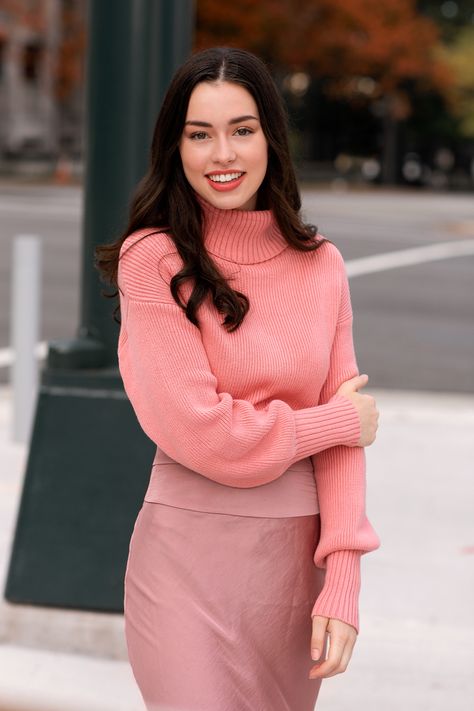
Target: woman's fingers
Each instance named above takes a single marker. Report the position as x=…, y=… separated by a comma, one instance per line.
x=342, y=640
x=331, y=665
x=346, y=655
x=318, y=638
x=353, y=384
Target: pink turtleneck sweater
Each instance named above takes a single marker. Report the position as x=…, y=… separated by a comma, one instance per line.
x=249, y=422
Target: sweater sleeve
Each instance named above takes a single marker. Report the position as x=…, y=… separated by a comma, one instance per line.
x=346, y=532
x=175, y=395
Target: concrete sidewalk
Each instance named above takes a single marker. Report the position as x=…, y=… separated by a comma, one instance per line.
x=415, y=649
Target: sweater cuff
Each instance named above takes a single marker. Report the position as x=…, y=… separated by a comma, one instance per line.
x=339, y=597
x=318, y=428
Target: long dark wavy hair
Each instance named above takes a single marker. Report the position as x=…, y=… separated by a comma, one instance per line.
x=165, y=200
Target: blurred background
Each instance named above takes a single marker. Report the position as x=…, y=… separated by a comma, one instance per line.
x=380, y=98
x=378, y=93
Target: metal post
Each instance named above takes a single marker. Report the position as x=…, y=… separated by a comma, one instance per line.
x=24, y=328
x=134, y=49
x=89, y=461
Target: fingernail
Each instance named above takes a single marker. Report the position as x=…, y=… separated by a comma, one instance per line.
x=315, y=654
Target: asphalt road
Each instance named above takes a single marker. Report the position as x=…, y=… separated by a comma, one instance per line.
x=413, y=325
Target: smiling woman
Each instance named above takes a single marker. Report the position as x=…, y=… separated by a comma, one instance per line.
x=245, y=555
x=225, y=164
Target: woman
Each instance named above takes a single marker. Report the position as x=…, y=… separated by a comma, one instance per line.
x=236, y=353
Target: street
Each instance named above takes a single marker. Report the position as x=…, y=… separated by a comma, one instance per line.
x=413, y=325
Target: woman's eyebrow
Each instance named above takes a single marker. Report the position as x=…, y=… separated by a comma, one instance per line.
x=238, y=119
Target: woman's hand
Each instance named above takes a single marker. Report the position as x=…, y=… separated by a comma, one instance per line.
x=342, y=639
x=365, y=404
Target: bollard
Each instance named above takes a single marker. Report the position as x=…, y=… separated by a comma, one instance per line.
x=24, y=332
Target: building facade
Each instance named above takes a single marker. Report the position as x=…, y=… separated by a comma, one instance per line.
x=41, y=95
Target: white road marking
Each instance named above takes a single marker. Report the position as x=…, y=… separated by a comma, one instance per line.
x=354, y=267
x=63, y=206
x=407, y=257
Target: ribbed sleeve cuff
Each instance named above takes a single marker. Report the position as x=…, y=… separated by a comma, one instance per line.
x=339, y=597
x=317, y=428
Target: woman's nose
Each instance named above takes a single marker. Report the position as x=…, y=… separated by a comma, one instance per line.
x=223, y=152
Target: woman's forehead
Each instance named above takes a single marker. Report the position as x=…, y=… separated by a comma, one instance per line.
x=220, y=101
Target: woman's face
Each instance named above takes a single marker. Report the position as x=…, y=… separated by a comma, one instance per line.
x=223, y=148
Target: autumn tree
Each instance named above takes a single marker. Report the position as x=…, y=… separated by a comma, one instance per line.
x=389, y=41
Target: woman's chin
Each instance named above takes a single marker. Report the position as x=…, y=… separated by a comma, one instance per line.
x=227, y=201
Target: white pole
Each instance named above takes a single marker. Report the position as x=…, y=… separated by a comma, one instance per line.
x=24, y=329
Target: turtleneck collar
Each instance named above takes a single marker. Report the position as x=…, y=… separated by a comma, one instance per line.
x=241, y=236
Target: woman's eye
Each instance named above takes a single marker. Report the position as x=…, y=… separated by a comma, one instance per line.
x=244, y=129
x=200, y=135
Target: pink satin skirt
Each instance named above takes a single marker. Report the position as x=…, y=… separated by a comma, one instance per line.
x=218, y=610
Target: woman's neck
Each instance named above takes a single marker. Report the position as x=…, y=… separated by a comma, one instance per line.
x=241, y=236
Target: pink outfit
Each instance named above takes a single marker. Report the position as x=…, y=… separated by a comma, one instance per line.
x=239, y=410
x=254, y=517
x=215, y=621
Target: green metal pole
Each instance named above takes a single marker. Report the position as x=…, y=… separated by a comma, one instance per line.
x=134, y=48
x=89, y=461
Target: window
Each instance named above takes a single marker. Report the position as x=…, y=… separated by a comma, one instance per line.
x=32, y=57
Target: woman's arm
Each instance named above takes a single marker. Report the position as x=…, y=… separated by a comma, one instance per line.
x=346, y=532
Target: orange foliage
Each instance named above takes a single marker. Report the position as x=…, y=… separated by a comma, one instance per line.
x=387, y=40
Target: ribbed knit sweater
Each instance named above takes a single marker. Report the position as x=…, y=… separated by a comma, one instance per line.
x=239, y=411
